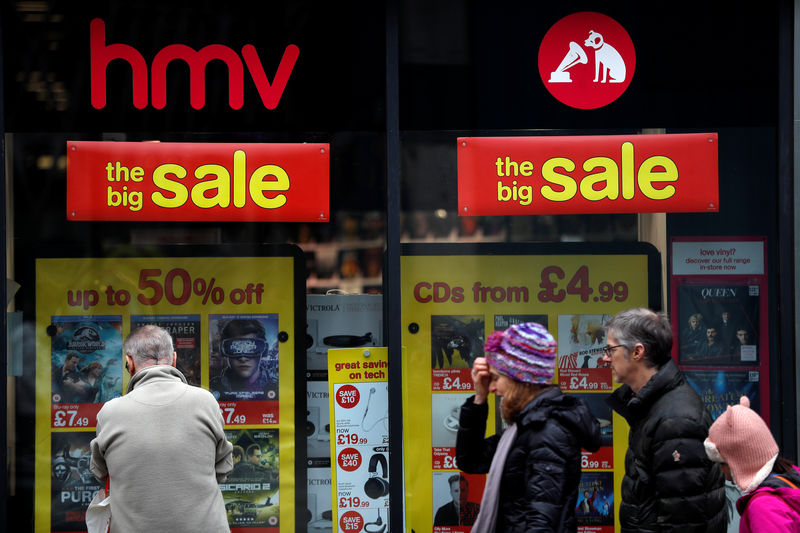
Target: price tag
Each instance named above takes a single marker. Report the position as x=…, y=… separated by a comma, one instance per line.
x=451, y=379
x=249, y=412
x=444, y=458
x=602, y=459
x=75, y=415
x=555, y=287
x=585, y=379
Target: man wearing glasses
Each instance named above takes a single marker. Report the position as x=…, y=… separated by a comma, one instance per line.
x=669, y=483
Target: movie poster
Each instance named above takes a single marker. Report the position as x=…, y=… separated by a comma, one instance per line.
x=721, y=388
x=243, y=357
x=87, y=359
x=185, y=331
x=251, y=491
x=581, y=339
x=456, y=340
x=72, y=484
x=595, y=509
x=718, y=325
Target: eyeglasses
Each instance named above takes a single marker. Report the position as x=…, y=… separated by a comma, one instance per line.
x=608, y=349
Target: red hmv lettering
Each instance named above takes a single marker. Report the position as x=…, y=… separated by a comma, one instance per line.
x=101, y=54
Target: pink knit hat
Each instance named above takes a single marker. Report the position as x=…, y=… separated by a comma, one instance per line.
x=740, y=438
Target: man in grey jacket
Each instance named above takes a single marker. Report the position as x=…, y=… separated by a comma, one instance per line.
x=162, y=444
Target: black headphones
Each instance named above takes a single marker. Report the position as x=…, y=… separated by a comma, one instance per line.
x=377, y=486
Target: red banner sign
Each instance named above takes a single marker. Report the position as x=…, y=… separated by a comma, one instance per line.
x=589, y=174
x=198, y=181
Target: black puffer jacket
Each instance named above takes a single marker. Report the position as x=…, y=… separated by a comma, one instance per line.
x=669, y=484
x=539, y=486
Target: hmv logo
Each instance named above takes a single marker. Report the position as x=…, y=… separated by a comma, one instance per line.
x=101, y=54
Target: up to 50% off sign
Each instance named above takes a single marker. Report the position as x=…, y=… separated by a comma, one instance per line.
x=552, y=285
x=177, y=286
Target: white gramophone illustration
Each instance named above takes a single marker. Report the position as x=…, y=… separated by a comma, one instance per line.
x=606, y=57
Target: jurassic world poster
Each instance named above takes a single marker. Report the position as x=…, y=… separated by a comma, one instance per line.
x=86, y=367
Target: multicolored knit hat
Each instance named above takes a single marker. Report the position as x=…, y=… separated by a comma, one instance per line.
x=523, y=352
x=740, y=438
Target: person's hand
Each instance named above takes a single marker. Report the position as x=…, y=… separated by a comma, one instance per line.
x=480, y=379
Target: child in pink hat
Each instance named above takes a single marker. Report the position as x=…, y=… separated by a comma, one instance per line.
x=770, y=485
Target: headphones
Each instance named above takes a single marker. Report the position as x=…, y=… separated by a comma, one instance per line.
x=378, y=526
x=377, y=486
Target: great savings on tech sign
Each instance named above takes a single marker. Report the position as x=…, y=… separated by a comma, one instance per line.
x=588, y=174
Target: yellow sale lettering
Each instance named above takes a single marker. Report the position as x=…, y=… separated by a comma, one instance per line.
x=217, y=185
x=605, y=178
x=217, y=191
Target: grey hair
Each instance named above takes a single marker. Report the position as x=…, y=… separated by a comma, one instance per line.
x=648, y=328
x=149, y=345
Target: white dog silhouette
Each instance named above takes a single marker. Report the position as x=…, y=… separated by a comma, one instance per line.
x=606, y=55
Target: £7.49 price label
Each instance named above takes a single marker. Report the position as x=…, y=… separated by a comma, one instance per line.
x=249, y=412
x=80, y=415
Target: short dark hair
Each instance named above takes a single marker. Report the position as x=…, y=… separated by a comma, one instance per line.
x=457, y=478
x=238, y=451
x=646, y=327
x=251, y=450
x=240, y=327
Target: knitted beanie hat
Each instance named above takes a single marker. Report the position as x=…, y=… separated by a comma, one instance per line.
x=740, y=438
x=523, y=352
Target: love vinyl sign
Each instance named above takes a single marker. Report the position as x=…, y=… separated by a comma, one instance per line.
x=589, y=174
x=198, y=181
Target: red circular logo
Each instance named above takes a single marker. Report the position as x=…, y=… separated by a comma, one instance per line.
x=351, y=521
x=586, y=60
x=349, y=459
x=347, y=396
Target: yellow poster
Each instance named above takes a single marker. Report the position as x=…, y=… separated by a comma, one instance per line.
x=450, y=303
x=359, y=407
x=85, y=307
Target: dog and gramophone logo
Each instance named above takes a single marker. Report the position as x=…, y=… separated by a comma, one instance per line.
x=586, y=60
